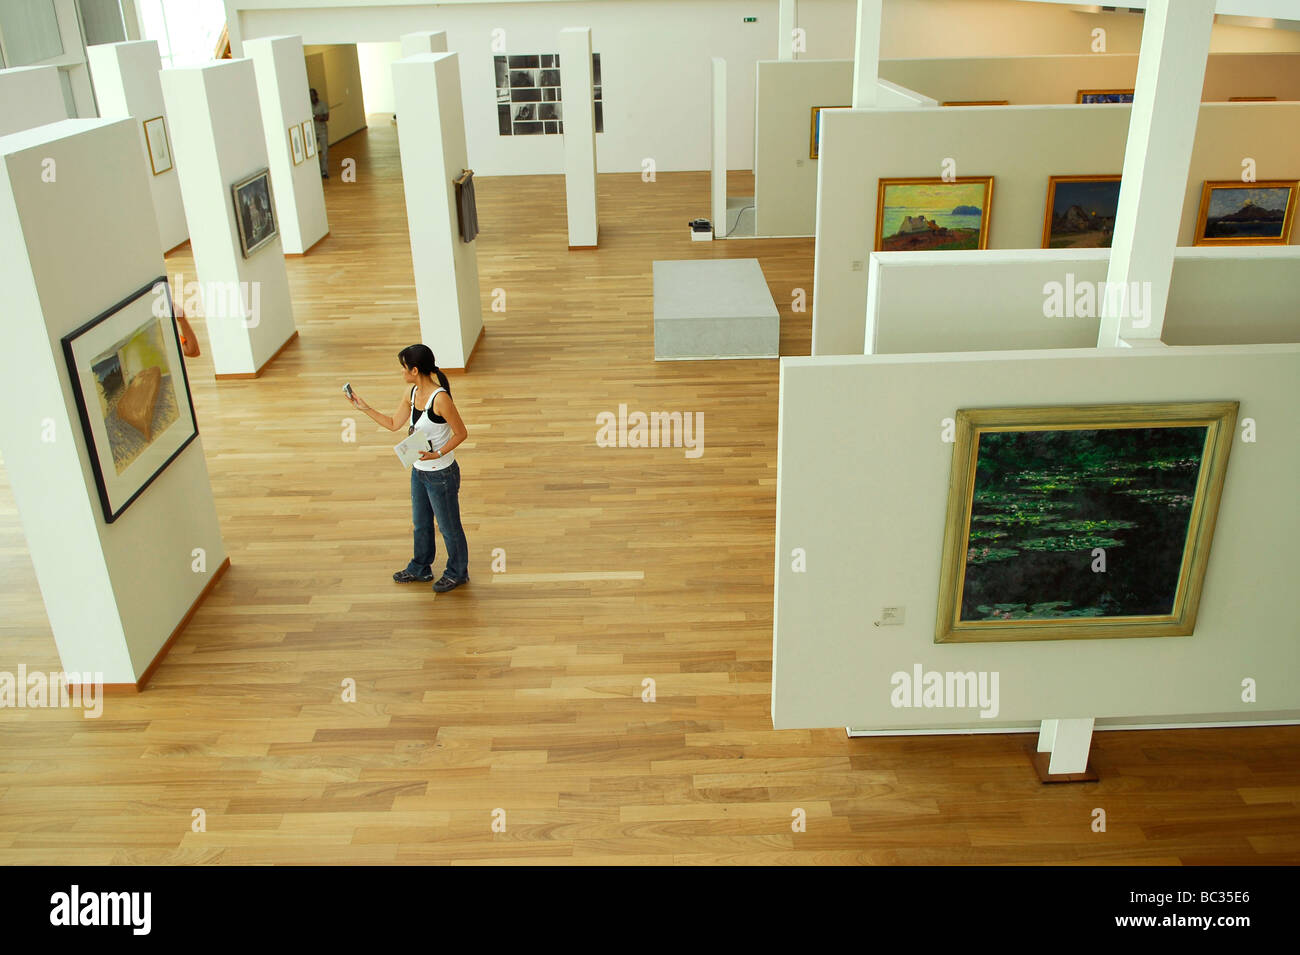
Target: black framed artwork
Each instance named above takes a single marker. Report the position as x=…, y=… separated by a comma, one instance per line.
x=528, y=94
x=132, y=392
x=254, y=211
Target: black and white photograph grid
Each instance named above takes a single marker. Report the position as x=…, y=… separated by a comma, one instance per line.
x=528, y=94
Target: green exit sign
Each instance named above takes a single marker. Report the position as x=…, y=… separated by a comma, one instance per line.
x=751, y=19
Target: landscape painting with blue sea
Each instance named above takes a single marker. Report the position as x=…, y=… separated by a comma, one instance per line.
x=1044, y=500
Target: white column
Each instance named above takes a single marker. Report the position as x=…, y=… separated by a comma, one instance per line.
x=71, y=249
x=1068, y=741
x=718, y=152
x=787, y=17
x=431, y=134
x=427, y=41
x=218, y=140
x=866, y=54
x=286, y=105
x=579, y=117
x=127, y=85
x=30, y=96
x=1162, y=128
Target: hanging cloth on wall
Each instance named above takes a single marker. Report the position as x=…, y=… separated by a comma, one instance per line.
x=466, y=211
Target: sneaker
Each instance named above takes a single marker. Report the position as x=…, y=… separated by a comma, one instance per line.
x=445, y=583
x=402, y=577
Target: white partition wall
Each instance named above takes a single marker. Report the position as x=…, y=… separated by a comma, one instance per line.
x=30, y=96
x=426, y=41
x=718, y=150
x=1048, y=298
x=218, y=139
x=431, y=133
x=579, y=136
x=865, y=497
x=1021, y=147
x=127, y=84
x=71, y=250
x=286, y=106
x=785, y=174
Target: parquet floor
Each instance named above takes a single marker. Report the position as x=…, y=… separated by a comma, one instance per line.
x=523, y=691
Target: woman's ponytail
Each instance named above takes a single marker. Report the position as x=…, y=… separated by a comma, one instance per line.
x=420, y=357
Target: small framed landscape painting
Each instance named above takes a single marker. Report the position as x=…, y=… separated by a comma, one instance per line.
x=296, y=144
x=1233, y=212
x=1104, y=96
x=815, y=135
x=254, y=211
x=132, y=393
x=1081, y=521
x=160, y=151
x=930, y=214
x=309, y=137
x=1080, y=212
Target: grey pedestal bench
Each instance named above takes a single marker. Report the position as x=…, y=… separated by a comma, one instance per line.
x=714, y=308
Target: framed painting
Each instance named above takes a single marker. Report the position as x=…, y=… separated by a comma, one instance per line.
x=1104, y=96
x=309, y=137
x=296, y=144
x=929, y=214
x=1233, y=212
x=132, y=394
x=815, y=131
x=254, y=211
x=1080, y=212
x=1081, y=521
x=976, y=102
x=160, y=150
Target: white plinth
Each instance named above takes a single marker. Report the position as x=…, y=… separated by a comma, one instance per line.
x=283, y=95
x=714, y=308
x=218, y=140
x=70, y=251
x=431, y=134
x=425, y=41
x=127, y=85
x=579, y=116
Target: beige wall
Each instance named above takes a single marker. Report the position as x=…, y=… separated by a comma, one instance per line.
x=785, y=176
x=1057, y=79
x=335, y=73
x=1021, y=146
x=865, y=494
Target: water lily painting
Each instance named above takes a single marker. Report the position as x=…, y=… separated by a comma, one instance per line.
x=1081, y=522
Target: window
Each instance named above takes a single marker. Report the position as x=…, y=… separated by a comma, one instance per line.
x=187, y=31
x=29, y=31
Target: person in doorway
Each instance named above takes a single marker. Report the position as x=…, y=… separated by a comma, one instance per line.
x=435, y=478
x=320, y=114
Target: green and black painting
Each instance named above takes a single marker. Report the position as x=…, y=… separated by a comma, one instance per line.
x=1043, y=501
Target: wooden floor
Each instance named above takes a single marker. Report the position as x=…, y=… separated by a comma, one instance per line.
x=523, y=690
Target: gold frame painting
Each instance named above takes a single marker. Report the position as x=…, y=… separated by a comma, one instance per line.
x=155, y=161
x=986, y=202
x=1048, y=217
x=297, y=146
x=309, y=137
x=1078, y=97
x=1288, y=213
x=814, y=131
x=1034, y=481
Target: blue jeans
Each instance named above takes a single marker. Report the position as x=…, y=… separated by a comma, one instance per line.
x=436, y=494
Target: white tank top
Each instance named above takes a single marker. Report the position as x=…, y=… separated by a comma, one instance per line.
x=437, y=432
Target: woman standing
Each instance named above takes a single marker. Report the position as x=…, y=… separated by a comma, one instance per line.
x=435, y=478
